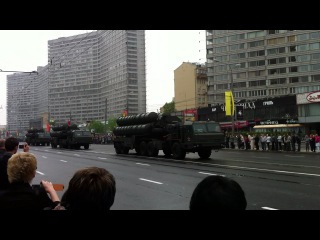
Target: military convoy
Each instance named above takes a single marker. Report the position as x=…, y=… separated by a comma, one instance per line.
x=66, y=136
x=148, y=133
x=37, y=137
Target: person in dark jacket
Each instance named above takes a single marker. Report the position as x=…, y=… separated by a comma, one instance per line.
x=11, y=147
x=20, y=195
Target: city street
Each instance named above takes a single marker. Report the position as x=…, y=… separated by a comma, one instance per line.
x=271, y=180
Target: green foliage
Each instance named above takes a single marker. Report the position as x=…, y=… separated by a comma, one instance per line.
x=111, y=124
x=97, y=126
x=169, y=107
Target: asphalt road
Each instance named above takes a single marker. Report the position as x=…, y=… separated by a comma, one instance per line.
x=271, y=181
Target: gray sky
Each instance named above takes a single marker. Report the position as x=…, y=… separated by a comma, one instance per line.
x=25, y=50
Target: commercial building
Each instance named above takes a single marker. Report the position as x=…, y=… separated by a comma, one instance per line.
x=190, y=86
x=90, y=76
x=270, y=63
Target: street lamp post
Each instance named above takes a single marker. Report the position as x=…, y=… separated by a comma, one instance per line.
x=233, y=115
x=105, y=117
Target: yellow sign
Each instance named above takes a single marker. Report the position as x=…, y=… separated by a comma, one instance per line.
x=229, y=103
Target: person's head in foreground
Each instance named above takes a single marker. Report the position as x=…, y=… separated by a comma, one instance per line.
x=90, y=189
x=218, y=193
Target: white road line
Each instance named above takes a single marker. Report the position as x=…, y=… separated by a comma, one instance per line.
x=144, y=164
x=40, y=173
x=249, y=168
x=150, y=181
x=76, y=155
x=102, y=158
x=63, y=161
x=46, y=150
x=294, y=156
x=211, y=174
x=268, y=208
x=44, y=156
x=59, y=152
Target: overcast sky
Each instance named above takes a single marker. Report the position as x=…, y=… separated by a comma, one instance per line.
x=25, y=50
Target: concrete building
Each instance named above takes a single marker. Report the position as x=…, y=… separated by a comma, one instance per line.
x=90, y=76
x=190, y=86
x=270, y=63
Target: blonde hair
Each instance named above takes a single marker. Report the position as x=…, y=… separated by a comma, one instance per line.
x=22, y=167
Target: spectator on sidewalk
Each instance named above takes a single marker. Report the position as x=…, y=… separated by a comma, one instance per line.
x=307, y=140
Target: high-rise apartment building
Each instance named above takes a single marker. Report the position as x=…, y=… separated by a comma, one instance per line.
x=264, y=63
x=190, y=86
x=90, y=76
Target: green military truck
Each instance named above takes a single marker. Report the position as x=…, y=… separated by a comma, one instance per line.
x=37, y=137
x=150, y=132
x=70, y=137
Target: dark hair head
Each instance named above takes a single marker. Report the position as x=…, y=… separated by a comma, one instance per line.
x=11, y=143
x=218, y=193
x=90, y=189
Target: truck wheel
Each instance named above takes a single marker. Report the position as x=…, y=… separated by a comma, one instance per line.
x=178, y=152
x=118, y=150
x=125, y=150
x=204, y=153
x=152, y=150
x=86, y=146
x=143, y=149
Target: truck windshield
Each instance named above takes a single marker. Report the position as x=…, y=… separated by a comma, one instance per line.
x=206, y=128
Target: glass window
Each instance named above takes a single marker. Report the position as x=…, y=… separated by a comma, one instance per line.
x=315, y=66
x=315, y=77
x=314, y=35
x=242, y=55
x=303, y=58
x=303, y=47
x=260, y=53
x=302, y=37
x=292, y=59
x=293, y=80
x=292, y=38
x=282, y=50
x=253, y=64
x=315, y=56
x=293, y=69
x=303, y=79
x=252, y=54
x=303, y=68
x=282, y=70
x=314, y=46
x=272, y=51
x=293, y=48
x=241, y=45
x=272, y=61
x=282, y=60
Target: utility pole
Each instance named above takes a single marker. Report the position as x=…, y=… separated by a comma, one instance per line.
x=105, y=117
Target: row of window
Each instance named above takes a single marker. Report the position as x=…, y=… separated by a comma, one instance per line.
x=294, y=48
x=275, y=81
x=261, y=93
x=262, y=33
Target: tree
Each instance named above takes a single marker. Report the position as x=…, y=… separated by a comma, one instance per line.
x=112, y=123
x=97, y=126
x=169, y=107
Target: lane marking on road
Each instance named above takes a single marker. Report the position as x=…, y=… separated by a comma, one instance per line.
x=44, y=156
x=268, y=208
x=150, y=181
x=76, y=155
x=102, y=158
x=259, y=169
x=46, y=150
x=294, y=156
x=63, y=161
x=59, y=152
x=40, y=173
x=144, y=164
x=212, y=174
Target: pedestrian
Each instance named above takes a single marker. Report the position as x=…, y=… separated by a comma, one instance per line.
x=307, y=140
x=218, y=193
x=11, y=147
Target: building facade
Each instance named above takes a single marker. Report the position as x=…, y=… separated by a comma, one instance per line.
x=90, y=76
x=190, y=86
x=264, y=63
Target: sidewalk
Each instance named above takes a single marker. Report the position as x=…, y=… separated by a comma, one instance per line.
x=302, y=150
